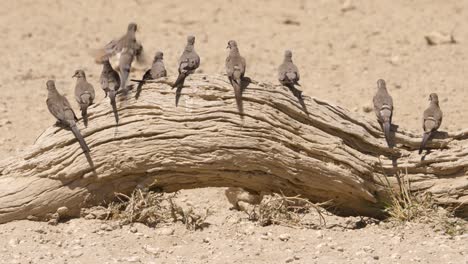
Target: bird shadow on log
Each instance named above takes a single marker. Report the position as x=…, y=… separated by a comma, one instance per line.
x=434, y=135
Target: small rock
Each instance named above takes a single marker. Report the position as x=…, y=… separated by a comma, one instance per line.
x=340, y=249
x=133, y=229
x=106, y=227
x=319, y=234
x=438, y=38
x=14, y=242
x=264, y=237
x=132, y=259
x=376, y=257
x=165, y=231
x=62, y=212
x=206, y=240
x=152, y=250
x=368, y=249
x=90, y=217
x=347, y=6
x=284, y=237
x=367, y=108
x=289, y=260
x=76, y=254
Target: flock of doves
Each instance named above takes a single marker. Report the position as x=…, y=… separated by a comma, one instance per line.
x=113, y=83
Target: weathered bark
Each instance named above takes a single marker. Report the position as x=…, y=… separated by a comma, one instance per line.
x=327, y=154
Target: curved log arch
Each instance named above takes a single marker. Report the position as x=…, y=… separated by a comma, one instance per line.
x=329, y=153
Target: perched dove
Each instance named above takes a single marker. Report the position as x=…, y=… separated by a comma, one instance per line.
x=288, y=74
x=84, y=94
x=110, y=83
x=235, y=69
x=125, y=64
x=157, y=71
x=61, y=109
x=432, y=118
x=188, y=63
x=383, y=108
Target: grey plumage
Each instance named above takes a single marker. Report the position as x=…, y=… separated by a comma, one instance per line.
x=125, y=64
x=235, y=69
x=189, y=61
x=157, y=71
x=432, y=119
x=61, y=109
x=383, y=108
x=126, y=42
x=288, y=75
x=84, y=94
x=110, y=83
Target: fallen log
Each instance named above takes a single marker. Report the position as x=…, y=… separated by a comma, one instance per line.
x=323, y=152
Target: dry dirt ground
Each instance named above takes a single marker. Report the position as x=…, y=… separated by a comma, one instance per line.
x=340, y=55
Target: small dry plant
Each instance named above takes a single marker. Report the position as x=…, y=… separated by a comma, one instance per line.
x=278, y=209
x=154, y=208
x=407, y=206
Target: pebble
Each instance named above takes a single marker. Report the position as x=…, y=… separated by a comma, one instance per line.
x=319, y=234
x=368, y=249
x=347, y=6
x=152, y=250
x=76, y=254
x=340, y=249
x=14, y=242
x=106, y=227
x=206, y=240
x=289, y=260
x=132, y=259
x=62, y=211
x=165, y=231
x=133, y=229
x=284, y=237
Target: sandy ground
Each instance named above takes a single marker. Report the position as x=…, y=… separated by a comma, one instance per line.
x=340, y=55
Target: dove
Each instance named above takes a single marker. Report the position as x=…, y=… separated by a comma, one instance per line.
x=189, y=61
x=432, y=118
x=116, y=46
x=383, y=108
x=110, y=83
x=84, y=94
x=288, y=75
x=235, y=69
x=125, y=64
x=61, y=109
x=157, y=71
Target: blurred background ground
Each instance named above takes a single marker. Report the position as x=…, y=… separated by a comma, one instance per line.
x=340, y=49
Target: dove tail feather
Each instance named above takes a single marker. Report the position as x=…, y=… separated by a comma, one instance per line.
x=238, y=94
x=84, y=114
x=386, y=129
x=178, y=94
x=180, y=80
x=80, y=138
x=114, y=105
x=426, y=137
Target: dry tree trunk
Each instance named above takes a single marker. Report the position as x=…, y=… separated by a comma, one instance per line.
x=327, y=154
